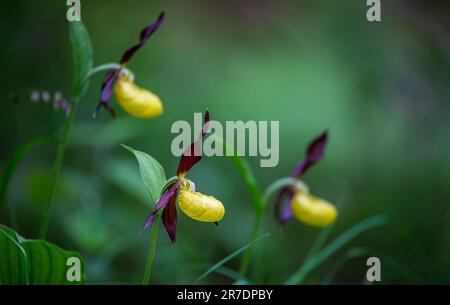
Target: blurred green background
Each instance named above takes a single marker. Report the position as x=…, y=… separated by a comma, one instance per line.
x=381, y=89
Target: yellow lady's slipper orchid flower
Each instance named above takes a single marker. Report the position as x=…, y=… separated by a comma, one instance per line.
x=313, y=211
x=195, y=205
x=199, y=206
x=137, y=101
x=134, y=100
x=296, y=201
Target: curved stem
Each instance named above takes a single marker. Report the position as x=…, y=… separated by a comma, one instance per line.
x=57, y=170
x=276, y=186
x=102, y=68
x=168, y=183
x=151, y=254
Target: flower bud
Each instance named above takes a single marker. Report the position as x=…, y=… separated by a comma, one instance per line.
x=137, y=101
x=313, y=211
x=200, y=207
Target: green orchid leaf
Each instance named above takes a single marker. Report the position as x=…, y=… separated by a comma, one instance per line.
x=152, y=173
x=37, y=262
x=82, y=57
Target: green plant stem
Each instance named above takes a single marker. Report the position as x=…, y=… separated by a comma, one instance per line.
x=102, y=68
x=249, y=178
x=255, y=198
x=56, y=170
x=276, y=186
x=151, y=254
x=262, y=201
x=318, y=243
x=248, y=252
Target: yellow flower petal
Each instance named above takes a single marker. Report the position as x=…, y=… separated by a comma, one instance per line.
x=199, y=206
x=137, y=101
x=313, y=211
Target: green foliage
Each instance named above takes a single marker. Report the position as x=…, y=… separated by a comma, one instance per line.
x=312, y=263
x=82, y=57
x=249, y=178
x=17, y=156
x=387, y=114
x=231, y=256
x=152, y=173
x=350, y=254
x=33, y=261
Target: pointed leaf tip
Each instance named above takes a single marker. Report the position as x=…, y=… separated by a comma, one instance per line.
x=151, y=171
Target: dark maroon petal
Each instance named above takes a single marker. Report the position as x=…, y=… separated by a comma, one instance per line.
x=107, y=107
x=106, y=93
x=169, y=218
x=192, y=154
x=314, y=154
x=162, y=202
x=143, y=38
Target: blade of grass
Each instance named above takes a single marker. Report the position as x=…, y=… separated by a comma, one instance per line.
x=248, y=254
x=319, y=242
x=365, y=225
x=224, y=271
x=350, y=254
x=231, y=256
x=388, y=262
x=16, y=157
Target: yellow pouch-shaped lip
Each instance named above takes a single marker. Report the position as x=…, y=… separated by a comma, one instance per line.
x=313, y=211
x=199, y=206
x=137, y=101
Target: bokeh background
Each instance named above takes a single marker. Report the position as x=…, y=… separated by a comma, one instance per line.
x=381, y=89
